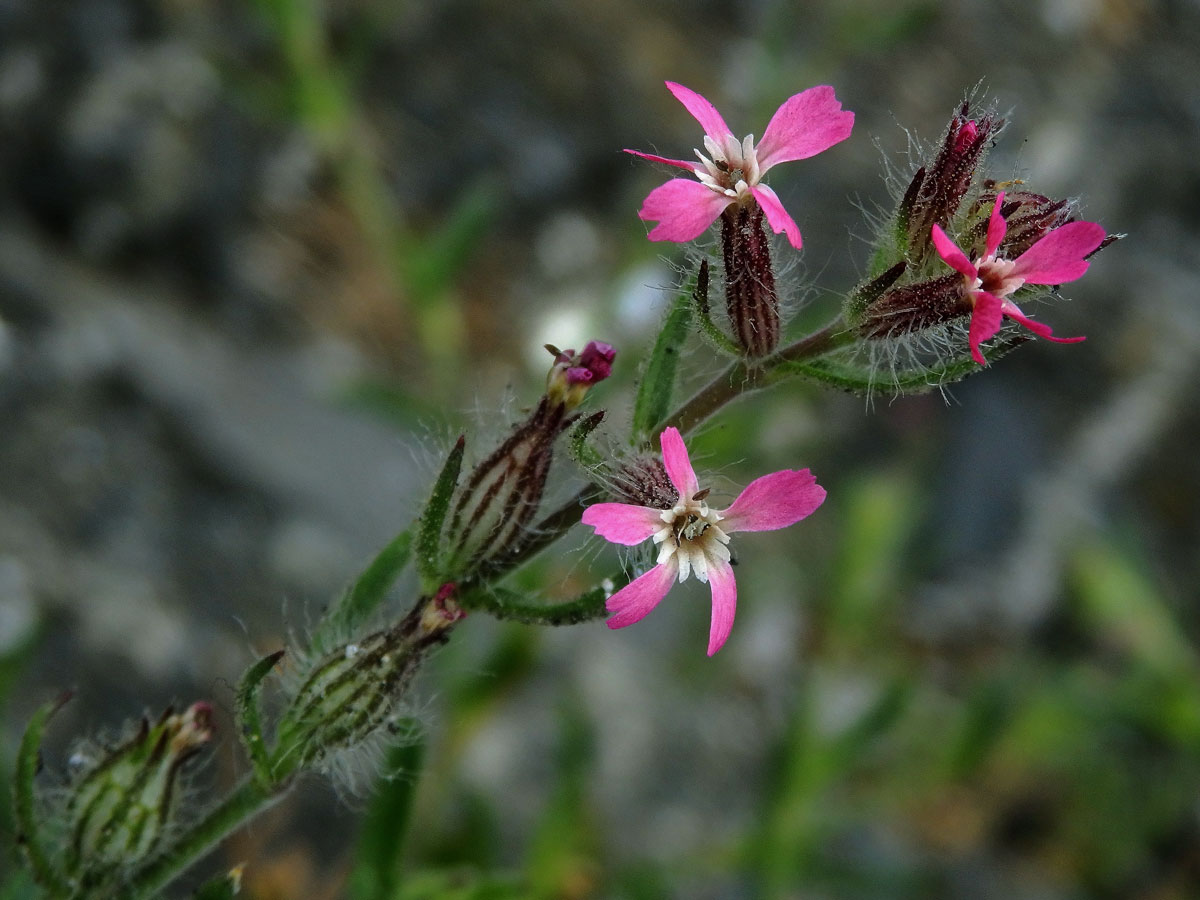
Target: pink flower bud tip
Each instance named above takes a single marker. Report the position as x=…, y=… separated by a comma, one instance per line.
x=967, y=134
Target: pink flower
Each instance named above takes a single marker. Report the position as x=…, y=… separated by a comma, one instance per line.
x=1054, y=259
x=806, y=124
x=691, y=542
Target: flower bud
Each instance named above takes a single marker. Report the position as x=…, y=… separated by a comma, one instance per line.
x=750, y=296
x=443, y=611
x=1029, y=218
x=938, y=188
x=915, y=307
x=350, y=694
x=571, y=376
x=120, y=806
x=502, y=494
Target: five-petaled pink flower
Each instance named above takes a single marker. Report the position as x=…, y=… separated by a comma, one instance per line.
x=806, y=124
x=1054, y=259
x=690, y=538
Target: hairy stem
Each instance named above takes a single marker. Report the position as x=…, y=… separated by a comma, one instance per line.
x=248, y=799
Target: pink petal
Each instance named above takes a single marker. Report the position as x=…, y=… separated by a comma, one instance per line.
x=683, y=210
x=676, y=462
x=705, y=113
x=634, y=602
x=997, y=227
x=623, y=523
x=777, y=216
x=985, y=322
x=692, y=167
x=774, y=501
x=724, y=604
x=953, y=257
x=1011, y=310
x=1059, y=256
x=806, y=124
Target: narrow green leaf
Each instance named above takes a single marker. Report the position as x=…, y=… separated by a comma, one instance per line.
x=658, y=382
x=504, y=603
x=577, y=445
x=377, y=871
x=249, y=722
x=433, y=262
x=28, y=763
x=365, y=595
x=876, y=721
x=430, y=535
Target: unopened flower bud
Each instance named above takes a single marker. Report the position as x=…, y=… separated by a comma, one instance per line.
x=442, y=611
x=502, y=494
x=915, y=307
x=351, y=693
x=938, y=188
x=572, y=375
x=120, y=806
x=750, y=296
x=1029, y=218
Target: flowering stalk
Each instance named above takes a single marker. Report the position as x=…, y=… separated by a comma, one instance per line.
x=948, y=268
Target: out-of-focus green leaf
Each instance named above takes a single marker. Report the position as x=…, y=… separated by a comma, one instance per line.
x=378, y=868
x=1128, y=612
x=879, y=512
x=559, y=855
x=432, y=263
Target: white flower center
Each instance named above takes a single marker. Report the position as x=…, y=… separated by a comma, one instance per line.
x=995, y=277
x=731, y=167
x=691, y=535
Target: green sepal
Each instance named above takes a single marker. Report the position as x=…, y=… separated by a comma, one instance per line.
x=708, y=327
x=223, y=887
x=29, y=836
x=658, y=380
x=504, y=603
x=871, y=290
x=430, y=535
x=577, y=445
x=364, y=596
x=248, y=719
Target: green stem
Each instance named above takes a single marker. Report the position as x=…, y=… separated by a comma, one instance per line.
x=512, y=606
x=248, y=799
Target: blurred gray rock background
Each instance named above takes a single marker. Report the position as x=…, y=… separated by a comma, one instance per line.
x=258, y=262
